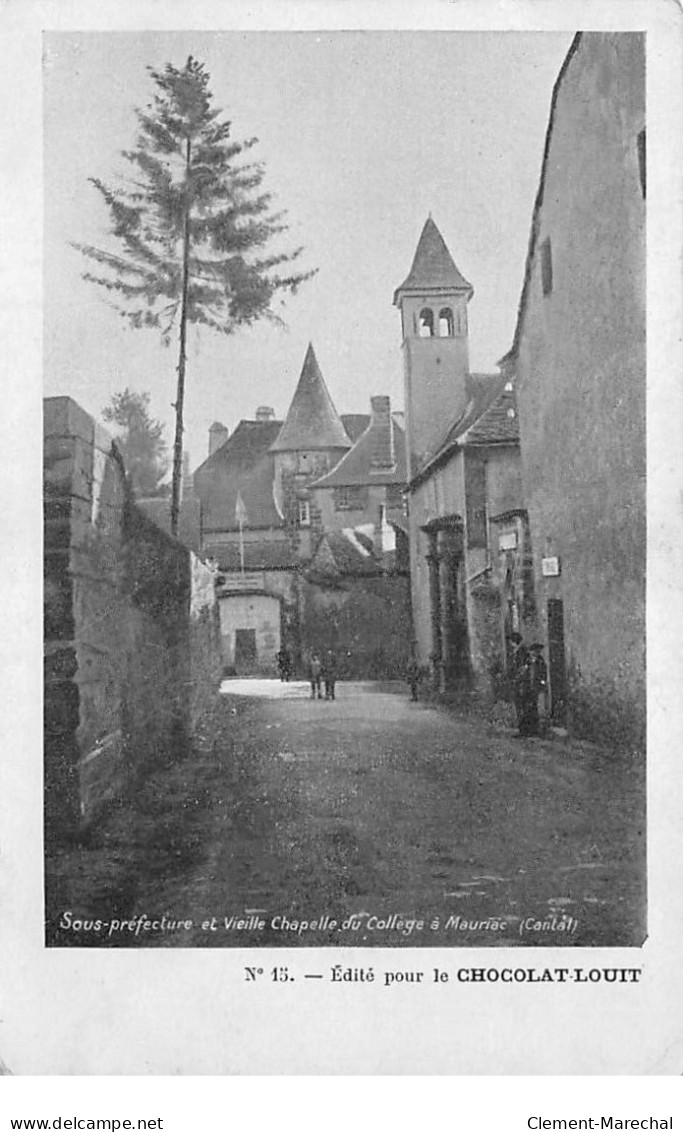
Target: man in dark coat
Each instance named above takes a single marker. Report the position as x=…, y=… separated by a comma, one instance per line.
x=526, y=699
x=539, y=683
x=314, y=671
x=330, y=674
x=284, y=664
x=413, y=678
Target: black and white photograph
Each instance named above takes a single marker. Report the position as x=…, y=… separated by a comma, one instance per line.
x=344, y=489
x=341, y=451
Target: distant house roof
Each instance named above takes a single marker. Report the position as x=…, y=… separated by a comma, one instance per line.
x=242, y=466
x=158, y=509
x=355, y=467
x=345, y=553
x=312, y=421
x=498, y=424
x=263, y=555
x=245, y=465
x=433, y=267
x=490, y=417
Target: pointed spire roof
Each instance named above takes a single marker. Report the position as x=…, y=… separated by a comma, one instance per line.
x=312, y=421
x=433, y=267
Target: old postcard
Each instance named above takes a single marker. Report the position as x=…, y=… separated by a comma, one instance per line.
x=358, y=385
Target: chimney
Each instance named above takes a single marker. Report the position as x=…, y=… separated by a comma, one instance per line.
x=218, y=434
x=383, y=457
x=265, y=413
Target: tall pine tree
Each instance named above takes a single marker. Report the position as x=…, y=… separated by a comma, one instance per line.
x=193, y=228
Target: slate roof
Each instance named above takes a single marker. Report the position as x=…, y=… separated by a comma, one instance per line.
x=312, y=421
x=263, y=555
x=498, y=424
x=347, y=552
x=485, y=421
x=245, y=464
x=241, y=465
x=433, y=267
x=355, y=466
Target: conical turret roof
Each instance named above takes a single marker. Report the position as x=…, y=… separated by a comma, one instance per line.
x=433, y=267
x=312, y=421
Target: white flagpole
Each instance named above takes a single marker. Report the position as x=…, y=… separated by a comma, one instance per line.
x=240, y=515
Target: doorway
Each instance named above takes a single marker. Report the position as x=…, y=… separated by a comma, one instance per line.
x=245, y=650
x=556, y=663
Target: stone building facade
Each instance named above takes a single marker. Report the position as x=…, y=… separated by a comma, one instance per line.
x=365, y=489
x=578, y=363
x=464, y=477
x=266, y=507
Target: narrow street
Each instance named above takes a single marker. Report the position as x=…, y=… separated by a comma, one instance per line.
x=369, y=816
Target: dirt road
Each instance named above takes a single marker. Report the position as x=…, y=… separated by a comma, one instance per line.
x=373, y=821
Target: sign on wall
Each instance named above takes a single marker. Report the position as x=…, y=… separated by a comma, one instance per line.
x=508, y=541
x=550, y=567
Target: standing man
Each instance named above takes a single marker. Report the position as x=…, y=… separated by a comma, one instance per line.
x=526, y=703
x=284, y=664
x=314, y=670
x=330, y=674
x=413, y=677
x=539, y=684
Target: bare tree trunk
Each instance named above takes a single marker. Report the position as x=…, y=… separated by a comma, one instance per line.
x=182, y=356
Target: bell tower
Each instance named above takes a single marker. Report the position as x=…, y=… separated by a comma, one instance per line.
x=433, y=303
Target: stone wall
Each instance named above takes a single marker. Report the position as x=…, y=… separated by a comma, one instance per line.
x=581, y=376
x=131, y=630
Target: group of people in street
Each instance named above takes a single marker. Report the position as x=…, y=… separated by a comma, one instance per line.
x=529, y=679
x=323, y=671
x=529, y=685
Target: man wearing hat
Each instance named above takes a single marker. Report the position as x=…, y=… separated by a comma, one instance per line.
x=539, y=683
x=526, y=700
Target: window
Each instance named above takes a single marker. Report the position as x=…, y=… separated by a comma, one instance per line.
x=245, y=649
x=426, y=329
x=304, y=513
x=446, y=329
x=546, y=266
x=350, y=498
x=642, y=162
x=303, y=462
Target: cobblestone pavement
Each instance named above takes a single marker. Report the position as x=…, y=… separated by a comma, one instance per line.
x=370, y=820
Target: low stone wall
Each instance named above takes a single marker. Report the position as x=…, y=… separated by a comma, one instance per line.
x=132, y=654
x=365, y=621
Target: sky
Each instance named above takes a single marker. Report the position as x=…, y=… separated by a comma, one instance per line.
x=363, y=134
